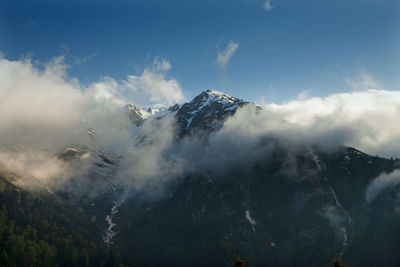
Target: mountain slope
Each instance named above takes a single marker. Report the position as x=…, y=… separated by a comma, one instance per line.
x=38, y=229
x=269, y=216
x=287, y=204
x=292, y=204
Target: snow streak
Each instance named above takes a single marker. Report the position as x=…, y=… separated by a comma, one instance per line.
x=343, y=229
x=251, y=220
x=348, y=221
x=109, y=233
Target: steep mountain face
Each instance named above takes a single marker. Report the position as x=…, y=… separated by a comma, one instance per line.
x=268, y=215
x=294, y=205
x=272, y=213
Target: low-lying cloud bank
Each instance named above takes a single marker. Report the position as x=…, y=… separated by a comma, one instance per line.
x=43, y=111
x=367, y=120
x=380, y=183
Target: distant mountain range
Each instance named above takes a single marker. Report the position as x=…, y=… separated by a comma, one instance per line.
x=292, y=205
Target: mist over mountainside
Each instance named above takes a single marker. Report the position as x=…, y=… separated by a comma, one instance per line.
x=211, y=178
x=59, y=113
x=269, y=214
x=199, y=133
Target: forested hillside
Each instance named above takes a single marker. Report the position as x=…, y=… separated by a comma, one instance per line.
x=38, y=229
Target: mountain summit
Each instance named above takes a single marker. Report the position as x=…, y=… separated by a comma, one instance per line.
x=207, y=111
x=204, y=113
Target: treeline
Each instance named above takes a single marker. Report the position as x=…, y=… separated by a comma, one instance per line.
x=38, y=229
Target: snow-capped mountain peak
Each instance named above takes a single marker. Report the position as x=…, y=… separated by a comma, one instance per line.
x=219, y=96
x=207, y=111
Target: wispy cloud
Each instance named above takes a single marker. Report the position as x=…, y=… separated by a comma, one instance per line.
x=78, y=60
x=363, y=81
x=161, y=65
x=84, y=59
x=224, y=56
x=32, y=23
x=267, y=5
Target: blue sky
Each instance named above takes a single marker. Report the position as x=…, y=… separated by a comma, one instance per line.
x=319, y=47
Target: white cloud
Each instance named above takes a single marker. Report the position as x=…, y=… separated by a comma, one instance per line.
x=380, y=183
x=42, y=112
x=148, y=167
x=367, y=120
x=224, y=56
x=39, y=115
x=107, y=90
x=267, y=5
x=154, y=86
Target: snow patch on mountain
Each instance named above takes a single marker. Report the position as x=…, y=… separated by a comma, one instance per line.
x=212, y=96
